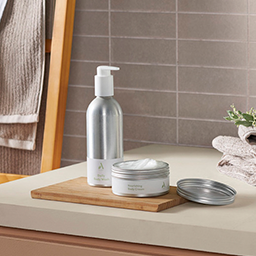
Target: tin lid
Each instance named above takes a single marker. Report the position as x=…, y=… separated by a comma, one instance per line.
x=206, y=191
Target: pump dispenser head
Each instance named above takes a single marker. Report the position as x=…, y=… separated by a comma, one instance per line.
x=104, y=85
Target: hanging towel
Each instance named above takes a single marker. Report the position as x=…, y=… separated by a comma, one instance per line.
x=238, y=159
x=247, y=134
x=22, y=60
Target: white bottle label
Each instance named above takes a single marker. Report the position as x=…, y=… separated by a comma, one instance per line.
x=99, y=171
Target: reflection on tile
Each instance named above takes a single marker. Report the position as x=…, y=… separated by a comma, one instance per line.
x=92, y=5
x=75, y=123
x=208, y=106
x=206, y=26
x=143, y=24
x=74, y=148
x=90, y=48
x=91, y=23
x=219, y=6
x=202, y=133
x=82, y=73
x=147, y=103
x=213, y=80
x=143, y=5
x=252, y=88
x=79, y=98
x=148, y=77
x=150, y=129
x=144, y=51
x=224, y=54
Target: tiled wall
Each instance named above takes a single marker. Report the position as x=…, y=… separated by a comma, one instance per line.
x=183, y=62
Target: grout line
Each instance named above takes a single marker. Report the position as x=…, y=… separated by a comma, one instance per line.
x=89, y=61
x=177, y=75
x=74, y=135
x=81, y=86
x=163, y=64
x=248, y=55
x=214, y=13
x=158, y=117
x=160, y=38
x=109, y=33
x=91, y=36
x=162, y=91
x=163, y=12
x=213, y=93
x=72, y=160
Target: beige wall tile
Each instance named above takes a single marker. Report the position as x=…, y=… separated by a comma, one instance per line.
x=92, y=5
x=144, y=51
x=252, y=29
x=148, y=129
x=147, y=103
x=252, y=53
x=128, y=145
x=208, y=106
x=219, y=6
x=252, y=87
x=79, y=98
x=223, y=54
x=74, y=148
x=252, y=102
x=90, y=48
x=75, y=123
x=157, y=25
x=82, y=73
x=207, y=26
x=201, y=133
x=252, y=6
x=148, y=77
x=143, y=5
x=213, y=80
x=65, y=163
x=91, y=23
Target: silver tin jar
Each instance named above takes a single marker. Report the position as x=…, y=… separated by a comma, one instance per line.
x=148, y=182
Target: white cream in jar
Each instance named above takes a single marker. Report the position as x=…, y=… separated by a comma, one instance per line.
x=140, y=178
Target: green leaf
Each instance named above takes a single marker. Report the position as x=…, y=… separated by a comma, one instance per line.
x=244, y=123
x=248, y=117
x=232, y=115
x=228, y=118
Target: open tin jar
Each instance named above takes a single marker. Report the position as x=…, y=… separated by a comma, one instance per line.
x=140, y=182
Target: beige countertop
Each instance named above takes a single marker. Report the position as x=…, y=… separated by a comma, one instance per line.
x=229, y=229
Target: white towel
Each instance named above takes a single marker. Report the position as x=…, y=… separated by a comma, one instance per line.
x=22, y=51
x=238, y=160
x=247, y=134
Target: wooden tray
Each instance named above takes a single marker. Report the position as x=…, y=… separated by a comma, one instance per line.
x=78, y=191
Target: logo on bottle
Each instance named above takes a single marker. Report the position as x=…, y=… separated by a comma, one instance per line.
x=101, y=167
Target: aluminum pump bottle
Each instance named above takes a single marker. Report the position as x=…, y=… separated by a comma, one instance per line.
x=104, y=124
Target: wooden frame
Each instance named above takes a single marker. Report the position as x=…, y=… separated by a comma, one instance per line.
x=60, y=48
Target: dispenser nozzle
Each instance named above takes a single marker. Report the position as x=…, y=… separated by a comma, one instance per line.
x=104, y=81
x=105, y=70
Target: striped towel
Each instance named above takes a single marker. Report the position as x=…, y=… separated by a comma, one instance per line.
x=22, y=60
